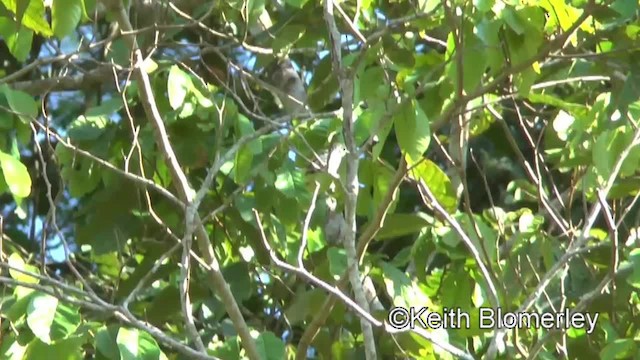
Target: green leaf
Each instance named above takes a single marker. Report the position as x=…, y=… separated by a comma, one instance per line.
x=82, y=178
x=256, y=8
x=607, y=150
x=93, y=124
x=619, y=349
x=11, y=348
x=88, y=128
x=65, y=16
x=134, y=344
x=244, y=127
x=482, y=236
x=296, y=3
x=402, y=289
x=483, y=5
x=15, y=261
x=88, y=8
x=396, y=53
x=474, y=61
x=18, y=41
x=21, y=103
x=127, y=341
x=16, y=175
x=288, y=36
x=302, y=306
x=66, y=349
x=634, y=278
x=65, y=322
x=106, y=108
x=337, y=261
x=106, y=342
x=510, y=16
x=40, y=314
x=291, y=183
x=270, y=346
x=528, y=34
x=237, y=274
x=178, y=85
x=439, y=183
x=229, y=350
x=243, y=164
x=396, y=225
x=119, y=53
x=524, y=80
x=324, y=84
x=382, y=179
x=33, y=17
x=626, y=8
x=425, y=6
x=373, y=121
x=412, y=130
x=487, y=31
x=6, y=120
x=460, y=288
x=20, y=9
x=632, y=31
x=571, y=108
x=373, y=85
x=561, y=13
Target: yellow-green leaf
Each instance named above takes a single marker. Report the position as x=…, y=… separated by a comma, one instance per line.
x=15, y=175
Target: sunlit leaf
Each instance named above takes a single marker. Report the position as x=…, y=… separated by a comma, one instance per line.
x=438, y=182
x=178, y=85
x=17, y=263
x=16, y=175
x=40, y=315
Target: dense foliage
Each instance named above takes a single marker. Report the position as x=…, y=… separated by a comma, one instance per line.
x=158, y=199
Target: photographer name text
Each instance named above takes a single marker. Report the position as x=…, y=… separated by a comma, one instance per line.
x=489, y=318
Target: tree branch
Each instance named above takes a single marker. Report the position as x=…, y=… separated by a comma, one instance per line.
x=186, y=193
x=351, y=183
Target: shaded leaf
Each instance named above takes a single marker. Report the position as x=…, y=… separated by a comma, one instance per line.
x=337, y=261
x=270, y=347
x=21, y=103
x=65, y=16
x=412, y=130
x=397, y=225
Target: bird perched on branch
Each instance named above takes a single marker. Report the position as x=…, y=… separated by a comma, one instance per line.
x=328, y=163
x=330, y=160
x=335, y=227
x=292, y=94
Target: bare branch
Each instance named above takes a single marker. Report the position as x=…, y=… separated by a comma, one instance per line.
x=86, y=81
x=218, y=283
x=351, y=183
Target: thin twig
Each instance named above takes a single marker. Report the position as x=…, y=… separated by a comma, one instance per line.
x=351, y=183
x=217, y=282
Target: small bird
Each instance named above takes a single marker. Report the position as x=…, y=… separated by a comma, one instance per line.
x=335, y=227
x=294, y=96
x=330, y=160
